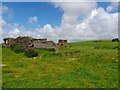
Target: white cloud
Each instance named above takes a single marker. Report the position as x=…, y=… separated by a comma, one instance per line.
x=81, y=21
x=76, y=7
x=98, y=25
x=3, y=9
x=14, y=32
x=101, y=26
x=113, y=6
x=74, y=10
x=33, y=19
x=3, y=23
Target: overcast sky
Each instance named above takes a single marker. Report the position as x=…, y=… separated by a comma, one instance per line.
x=74, y=21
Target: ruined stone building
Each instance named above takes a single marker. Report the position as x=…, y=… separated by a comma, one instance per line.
x=29, y=42
x=9, y=41
x=62, y=42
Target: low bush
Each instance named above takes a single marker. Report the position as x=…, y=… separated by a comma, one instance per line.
x=48, y=49
x=115, y=40
x=3, y=46
x=116, y=47
x=17, y=49
x=31, y=53
x=12, y=47
x=51, y=49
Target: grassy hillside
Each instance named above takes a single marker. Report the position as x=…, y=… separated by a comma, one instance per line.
x=95, y=66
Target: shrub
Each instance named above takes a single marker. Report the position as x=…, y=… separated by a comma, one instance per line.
x=3, y=46
x=115, y=40
x=48, y=49
x=31, y=53
x=16, y=48
x=116, y=47
x=12, y=47
x=51, y=49
x=96, y=47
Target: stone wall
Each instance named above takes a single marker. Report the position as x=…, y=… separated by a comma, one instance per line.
x=9, y=41
x=48, y=44
x=24, y=41
x=27, y=42
x=39, y=40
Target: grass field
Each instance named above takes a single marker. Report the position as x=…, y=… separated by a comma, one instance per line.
x=95, y=66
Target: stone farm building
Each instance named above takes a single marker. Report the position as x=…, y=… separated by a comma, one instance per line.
x=27, y=42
